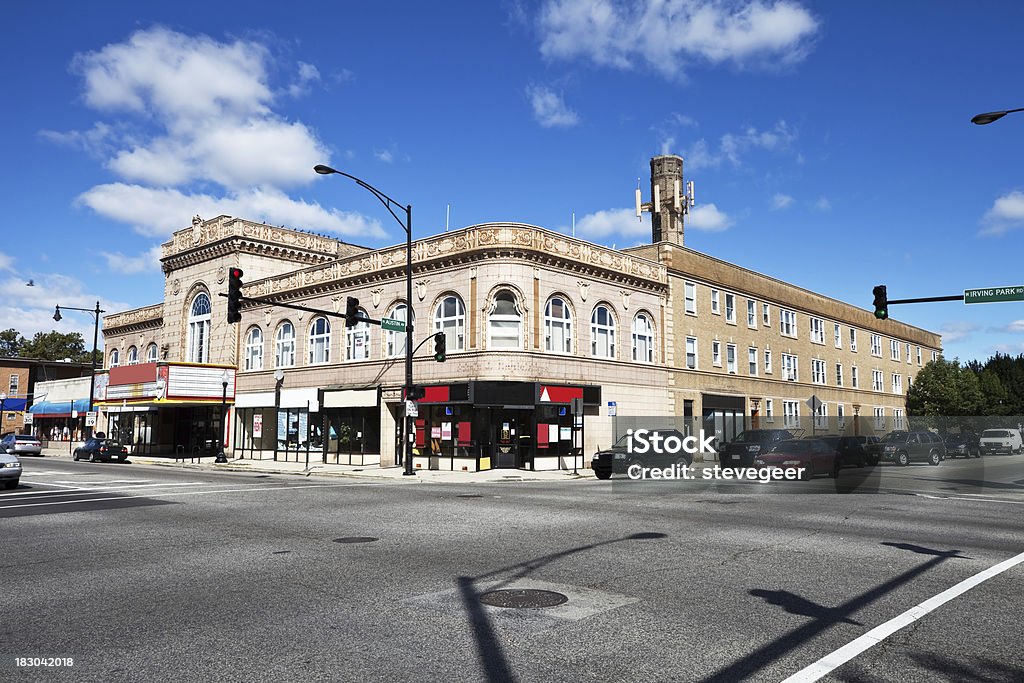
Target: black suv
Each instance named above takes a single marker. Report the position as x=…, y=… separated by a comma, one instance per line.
x=741, y=451
x=618, y=459
x=905, y=447
x=850, y=451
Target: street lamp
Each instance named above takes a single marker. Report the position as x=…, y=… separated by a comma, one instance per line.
x=221, y=456
x=95, y=340
x=989, y=117
x=388, y=202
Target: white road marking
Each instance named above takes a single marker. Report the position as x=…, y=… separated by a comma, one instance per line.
x=835, y=659
x=255, y=487
x=973, y=500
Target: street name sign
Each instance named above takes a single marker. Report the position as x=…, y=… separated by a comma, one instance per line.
x=392, y=324
x=988, y=295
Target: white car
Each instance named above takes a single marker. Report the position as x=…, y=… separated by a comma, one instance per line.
x=1001, y=441
x=10, y=470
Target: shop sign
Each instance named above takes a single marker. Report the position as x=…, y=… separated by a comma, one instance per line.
x=257, y=426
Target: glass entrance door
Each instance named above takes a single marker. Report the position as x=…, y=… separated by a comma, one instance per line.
x=505, y=435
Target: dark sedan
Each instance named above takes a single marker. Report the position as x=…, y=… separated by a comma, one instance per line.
x=850, y=450
x=964, y=445
x=95, y=450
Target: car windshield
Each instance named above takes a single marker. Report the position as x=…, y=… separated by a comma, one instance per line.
x=25, y=437
x=895, y=437
x=791, y=447
x=995, y=433
x=754, y=436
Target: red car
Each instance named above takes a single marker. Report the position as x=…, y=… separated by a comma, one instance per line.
x=813, y=455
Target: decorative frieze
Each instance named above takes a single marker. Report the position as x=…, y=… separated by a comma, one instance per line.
x=149, y=315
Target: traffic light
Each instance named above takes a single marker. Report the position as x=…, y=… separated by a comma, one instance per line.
x=440, y=342
x=234, y=295
x=881, y=302
x=351, y=310
x=415, y=393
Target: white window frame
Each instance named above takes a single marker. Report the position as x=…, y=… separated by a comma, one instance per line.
x=767, y=361
x=894, y=349
x=560, y=325
x=691, y=353
x=787, y=323
x=394, y=342
x=115, y=358
x=897, y=419
x=876, y=345
x=358, y=335
x=818, y=371
x=897, y=384
x=152, y=353
x=199, y=330
x=716, y=353
x=453, y=325
x=253, y=349
x=790, y=364
x=769, y=410
x=751, y=314
x=716, y=307
x=602, y=331
x=319, y=341
x=853, y=340
x=839, y=374
x=690, y=298
x=854, y=378
x=821, y=416
x=284, y=345
x=500, y=325
x=919, y=355
x=730, y=308
x=935, y=356
x=817, y=331
x=643, y=334
x=766, y=315
x=13, y=385
x=838, y=334
x=730, y=358
x=791, y=414
x=753, y=360
x=909, y=357
x=879, y=414
x=131, y=357
x=841, y=416
x=877, y=380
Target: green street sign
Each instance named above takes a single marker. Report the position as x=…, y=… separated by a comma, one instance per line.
x=392, y=324
x=990, y=295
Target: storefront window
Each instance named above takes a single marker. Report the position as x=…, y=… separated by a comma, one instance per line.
x=284, y=346
x=320, y=341
x=505, y=323
x=450, y=318
x=602, y=333
x=557, y=326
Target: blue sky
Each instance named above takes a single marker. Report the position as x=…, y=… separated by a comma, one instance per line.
x=830, y=143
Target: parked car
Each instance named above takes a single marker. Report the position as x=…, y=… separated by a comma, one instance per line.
x=1000, y=441
x=815, y=456
x=21, y=444
x=850, y=449
x=904, y=448
x=965, y=444
x=94, y=450
x=741, y=451
x=10, y=470
x=617, y=459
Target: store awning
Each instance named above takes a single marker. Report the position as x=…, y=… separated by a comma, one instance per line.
x=14, y=404
x=58, y=408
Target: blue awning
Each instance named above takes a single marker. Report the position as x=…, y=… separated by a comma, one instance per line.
x=15, y=404
x=59, y=407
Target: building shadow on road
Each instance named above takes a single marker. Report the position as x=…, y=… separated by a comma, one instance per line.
x=489, y=649
x=821, y=617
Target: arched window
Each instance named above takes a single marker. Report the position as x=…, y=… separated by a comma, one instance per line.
x=199, y=330
x=132, y=357
x=643, y=339
x=254, y=349
x=602, y=333
x=151, y=352
x=115, y=358
x=357, y=339
x=320, y=341
x=284, y=346
x=396, y=340
x=557, y=326
x=505, y=324
x=450, y=318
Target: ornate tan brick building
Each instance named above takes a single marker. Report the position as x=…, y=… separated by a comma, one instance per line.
x=532, y=318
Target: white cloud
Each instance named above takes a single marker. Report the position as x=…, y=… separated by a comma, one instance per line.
x=823, y=204
x=30, y=309
x=1016, y=327
x=156, y=212
x=204, y=136
x=622, y=222
x=733, y=147
x=384, y=155
x=708, y=218
x=781, y=201
x=549, y=108
x=957, y=331
x=147, y=261
x=1007, y=213
x=6, y=262
x=669, y=35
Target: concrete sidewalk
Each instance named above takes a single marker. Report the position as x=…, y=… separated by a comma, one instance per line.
x=369, y=472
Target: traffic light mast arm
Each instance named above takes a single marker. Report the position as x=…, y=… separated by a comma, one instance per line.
x=926, y=299
x=282, y=304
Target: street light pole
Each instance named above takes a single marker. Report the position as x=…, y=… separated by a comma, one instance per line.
x=95, y=341
x=388, y=202
x=989, y=117
x=221, y=456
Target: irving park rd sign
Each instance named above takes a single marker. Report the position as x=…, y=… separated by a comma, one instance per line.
x=991, y=295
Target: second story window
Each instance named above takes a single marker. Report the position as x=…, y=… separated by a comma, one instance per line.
x=690, y=295
x=817, y=371
x=853, y=340
x=199, y=330
x=894, y=349
x=817, y=330
x=643, y=339
x=115, y=358
x=730, y=308
x=876, y=345
x=751, y=313
x=716, y=306
x=284, y=346
x=838, y=335
x=790, y=367
x=505, y=324
x=691, y=353
x=151, y=352
x=557, y=326
x=787, y=323
x=602, y=333
x=320, y=342
x=132, y=357
x=254, y=349
x=396, y=340
x=450, y=318
x=357, y=339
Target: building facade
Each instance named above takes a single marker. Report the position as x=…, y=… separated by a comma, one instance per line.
x=532, y=318
x=19, y=390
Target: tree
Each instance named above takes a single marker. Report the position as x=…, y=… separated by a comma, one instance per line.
x=56, y=346
x=944, y=389
x=11, y=343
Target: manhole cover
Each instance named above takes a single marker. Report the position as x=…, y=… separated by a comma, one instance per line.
x=356, y=539
x=522, y=598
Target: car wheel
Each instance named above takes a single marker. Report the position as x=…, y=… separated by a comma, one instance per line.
x=11, y=483
x=603, y=474
x=683, y=462
x=902, y=459
x=93, y=458
x=933, y=458
x=74, y=456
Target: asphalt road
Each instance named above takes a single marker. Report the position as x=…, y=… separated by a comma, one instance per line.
x=145, y=573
